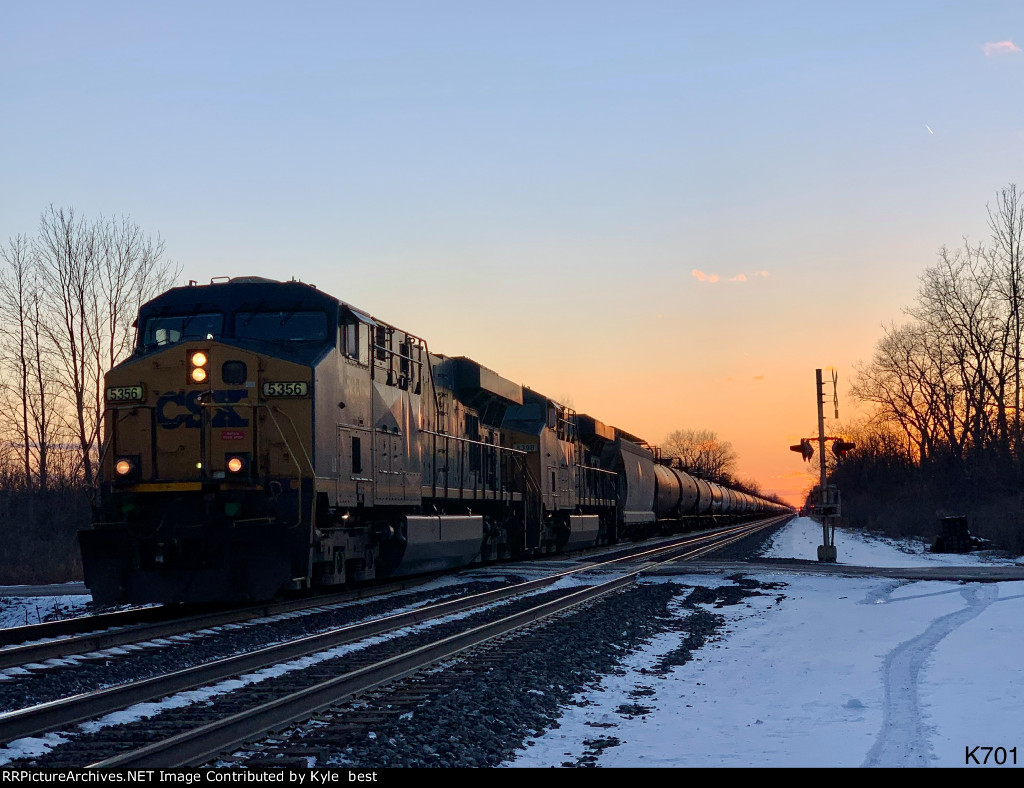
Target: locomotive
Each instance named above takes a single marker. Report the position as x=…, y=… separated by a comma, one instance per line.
x=265, y=437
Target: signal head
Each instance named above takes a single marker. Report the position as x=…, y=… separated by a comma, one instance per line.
x=839, y=448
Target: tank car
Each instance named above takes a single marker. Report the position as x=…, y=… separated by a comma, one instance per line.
x=264, y=436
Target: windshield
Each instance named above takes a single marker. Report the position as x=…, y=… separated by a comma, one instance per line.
x=169, y=329
x=290, y=326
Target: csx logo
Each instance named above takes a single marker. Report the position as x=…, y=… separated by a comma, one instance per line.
x=181, y=409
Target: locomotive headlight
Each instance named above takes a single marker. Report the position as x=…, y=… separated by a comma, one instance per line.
x=237, y=465
x=126, y=468
x=198, y=373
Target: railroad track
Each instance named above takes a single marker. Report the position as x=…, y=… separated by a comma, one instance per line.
x=51, y=670
x=291, y=681
x=37, y=643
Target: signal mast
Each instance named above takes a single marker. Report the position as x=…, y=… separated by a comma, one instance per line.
x=827, y=504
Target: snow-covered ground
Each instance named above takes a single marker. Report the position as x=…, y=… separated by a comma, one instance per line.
x=838, y=672
x=18, y=609
x=823, y=670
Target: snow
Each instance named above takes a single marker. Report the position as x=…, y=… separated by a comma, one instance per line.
x=826, y=671
x=34, y=746
x=800, y=539
x=19, y=611
x=840, y=672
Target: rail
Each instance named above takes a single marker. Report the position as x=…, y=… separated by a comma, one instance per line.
x=197, y=746
x=181, y=749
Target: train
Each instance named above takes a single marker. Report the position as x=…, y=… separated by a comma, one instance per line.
x=264, y=437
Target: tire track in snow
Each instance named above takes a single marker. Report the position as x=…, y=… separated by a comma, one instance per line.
x=903, y=740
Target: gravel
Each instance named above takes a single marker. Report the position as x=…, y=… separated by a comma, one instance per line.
x=479, y=715
x=748, y=548
x=475, y=716
x=59, y=681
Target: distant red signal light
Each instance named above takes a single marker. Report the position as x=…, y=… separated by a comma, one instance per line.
x=840, y=448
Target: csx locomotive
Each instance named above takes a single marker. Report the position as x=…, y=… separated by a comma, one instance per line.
x=265, y=436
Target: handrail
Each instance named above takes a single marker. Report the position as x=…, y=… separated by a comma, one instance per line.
x=477, y=443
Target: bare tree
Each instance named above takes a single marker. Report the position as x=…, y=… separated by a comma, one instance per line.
x=1006, y=221
x=66, y=247
x=45, y=385
x=95, y=276
x=68, y=298
x=129, y=271
x=31, y=382
x=959, y=305
x=948, y=382
x=15, y=298
x=701, y=453
x=917, y=388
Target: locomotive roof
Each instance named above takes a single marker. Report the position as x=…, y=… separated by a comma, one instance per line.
x=240, y=293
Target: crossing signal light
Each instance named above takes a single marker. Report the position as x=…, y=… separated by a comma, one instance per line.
x=804, y=449
x=839, y=448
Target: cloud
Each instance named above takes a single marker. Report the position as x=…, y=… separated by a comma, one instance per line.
x=996, y=48
x=758, y=377
x=704, y=277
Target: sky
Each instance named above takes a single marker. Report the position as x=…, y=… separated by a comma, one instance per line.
x=666, y=215
x=848, y=671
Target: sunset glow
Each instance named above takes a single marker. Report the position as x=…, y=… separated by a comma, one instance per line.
x=666, y=216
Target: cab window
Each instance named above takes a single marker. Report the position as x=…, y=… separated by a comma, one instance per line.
x=169, y=329
x=285, y=326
